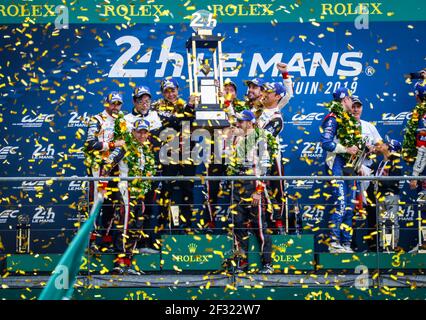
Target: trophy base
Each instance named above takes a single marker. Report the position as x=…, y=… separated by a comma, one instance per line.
x=210, y=116
x=210, y=124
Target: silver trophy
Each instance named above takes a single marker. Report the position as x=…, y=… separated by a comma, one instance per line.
x=209, y=112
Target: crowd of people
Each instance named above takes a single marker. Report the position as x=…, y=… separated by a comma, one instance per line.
x=135, y=213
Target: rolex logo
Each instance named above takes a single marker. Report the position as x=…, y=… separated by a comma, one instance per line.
x=282, y=247
x=192, y=247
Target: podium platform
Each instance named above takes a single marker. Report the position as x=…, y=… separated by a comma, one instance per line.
x=206, y=253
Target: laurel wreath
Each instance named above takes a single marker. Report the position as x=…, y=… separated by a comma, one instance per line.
x=247, y=144
x=134, y=152
x=349, y=129
x=409, y=150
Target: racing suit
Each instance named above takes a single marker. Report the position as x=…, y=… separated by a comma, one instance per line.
x=99, y=136
x=249, y=216
x=134, y=221
x=271, y=120
x=343, y=191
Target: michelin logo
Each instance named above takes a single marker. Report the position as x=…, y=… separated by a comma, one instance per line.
x=43, y=215
x=8, y=214
x=35, y=122
x=44, y=152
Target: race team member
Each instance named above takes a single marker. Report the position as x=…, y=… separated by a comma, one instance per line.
x=419, y=167
x=133, y=226
x=142, y=109
x=99, y=144
x=343, y=192
x=171, y=107
x=250, y=156
x=255, y=87
x=373, y=140
x=271, y=120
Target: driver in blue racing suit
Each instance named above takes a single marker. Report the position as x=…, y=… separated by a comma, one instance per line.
x=343, y=192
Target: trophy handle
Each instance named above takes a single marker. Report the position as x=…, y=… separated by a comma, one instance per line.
x=219, y=51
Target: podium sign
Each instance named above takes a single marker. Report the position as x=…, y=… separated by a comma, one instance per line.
x=292, y=252
x=200, y=252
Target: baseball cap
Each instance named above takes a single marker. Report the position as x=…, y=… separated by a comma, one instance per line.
x=276, y=87
x=341, y=93
x=356, y=99
x=169, y=83
x=394, y=145
x=420, y=89
x=141, y=124
x=246, y=115
x=256, y=81
x=140, y=91
x=230, y=82
x=114, y=96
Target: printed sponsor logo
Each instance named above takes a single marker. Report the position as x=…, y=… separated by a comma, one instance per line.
x=31, y=186
x=8, y=214
x=302, y=184
x=312, y=150
x=43, y=215
x=78, y=121
x=306, y=119
x=5, y=151
x=77, y=186
x=29, y=121
x=390, y=119
x=44, y=152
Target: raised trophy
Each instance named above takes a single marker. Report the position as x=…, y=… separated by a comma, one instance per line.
x=23, y=234
x=209, y=112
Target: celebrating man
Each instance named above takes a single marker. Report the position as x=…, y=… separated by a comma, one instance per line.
x=252, y=153
x=340, y=134
x=99, y=144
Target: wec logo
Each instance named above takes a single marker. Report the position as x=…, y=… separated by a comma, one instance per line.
x=6, y=214
x=37, y=121
x=5, y=151
x=31, y=185
x=42, y=117
x=307, y=118
x=399, y=117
